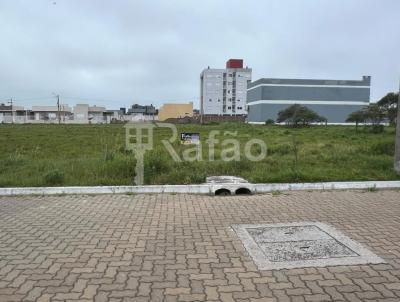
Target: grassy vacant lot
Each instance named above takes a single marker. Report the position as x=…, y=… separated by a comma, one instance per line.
x=43, y=155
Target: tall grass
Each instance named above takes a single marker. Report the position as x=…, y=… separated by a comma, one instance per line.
x=47, y=155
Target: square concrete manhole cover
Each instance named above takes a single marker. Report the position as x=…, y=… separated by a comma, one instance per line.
x=305, y=244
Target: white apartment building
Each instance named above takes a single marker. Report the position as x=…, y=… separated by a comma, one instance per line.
x=224, y=91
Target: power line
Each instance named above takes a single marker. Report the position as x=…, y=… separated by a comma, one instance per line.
x=31, y=98
x=142, y=100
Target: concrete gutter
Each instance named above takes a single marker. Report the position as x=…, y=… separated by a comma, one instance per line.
x=201, y=188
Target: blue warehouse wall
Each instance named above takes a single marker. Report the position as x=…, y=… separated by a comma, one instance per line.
x=334, y=113
x=313, y=93
x=321, y=92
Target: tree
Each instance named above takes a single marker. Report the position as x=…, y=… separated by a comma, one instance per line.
x=356, y=117
x=374, y=114
x=389, y=106
x=297, y=115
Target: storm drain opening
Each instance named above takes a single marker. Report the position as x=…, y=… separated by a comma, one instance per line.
x=243, y=191
x=303, y=244
x=222, y=192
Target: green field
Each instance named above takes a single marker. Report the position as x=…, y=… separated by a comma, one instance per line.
x=49, y=155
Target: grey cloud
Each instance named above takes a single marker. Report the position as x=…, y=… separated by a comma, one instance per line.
x=116, y=52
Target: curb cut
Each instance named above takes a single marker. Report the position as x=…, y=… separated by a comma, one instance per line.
x=200, y=188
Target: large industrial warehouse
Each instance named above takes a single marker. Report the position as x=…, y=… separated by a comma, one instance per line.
x=333, y=99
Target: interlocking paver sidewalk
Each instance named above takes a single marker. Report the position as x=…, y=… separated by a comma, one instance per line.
x=181, y=248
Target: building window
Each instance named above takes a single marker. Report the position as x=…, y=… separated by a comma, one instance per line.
x=210, y=100
x=219, y=100
x=229, y=107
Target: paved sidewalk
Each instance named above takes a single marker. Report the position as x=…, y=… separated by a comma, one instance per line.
x=181, y=248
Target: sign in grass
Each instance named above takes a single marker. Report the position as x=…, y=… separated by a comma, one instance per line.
x=188, y=138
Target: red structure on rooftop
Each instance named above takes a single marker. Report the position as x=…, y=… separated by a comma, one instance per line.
x=234, y=63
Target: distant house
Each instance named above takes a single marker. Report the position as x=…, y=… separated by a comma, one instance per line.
x=14, y=114
x=140, y=113
x=52, y=113
x=97, y=114
x=114, y=115
x=145, y=110
x=175, y=110
x=6, y=113
x=83, y=113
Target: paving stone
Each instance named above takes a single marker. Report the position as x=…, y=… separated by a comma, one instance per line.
x=121, y=248
x=177, y=291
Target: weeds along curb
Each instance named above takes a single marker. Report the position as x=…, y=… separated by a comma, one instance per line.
x=210, y=189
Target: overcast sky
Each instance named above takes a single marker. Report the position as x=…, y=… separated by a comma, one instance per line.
x=116, y=53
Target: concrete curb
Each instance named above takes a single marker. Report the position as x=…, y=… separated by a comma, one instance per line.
x=201, y=188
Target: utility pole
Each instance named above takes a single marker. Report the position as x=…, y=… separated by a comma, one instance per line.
x=58, y=109
x=397, y=149
x=201, y=109
x=12, y=110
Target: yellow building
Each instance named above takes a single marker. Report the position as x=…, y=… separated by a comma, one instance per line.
x=175, y=110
